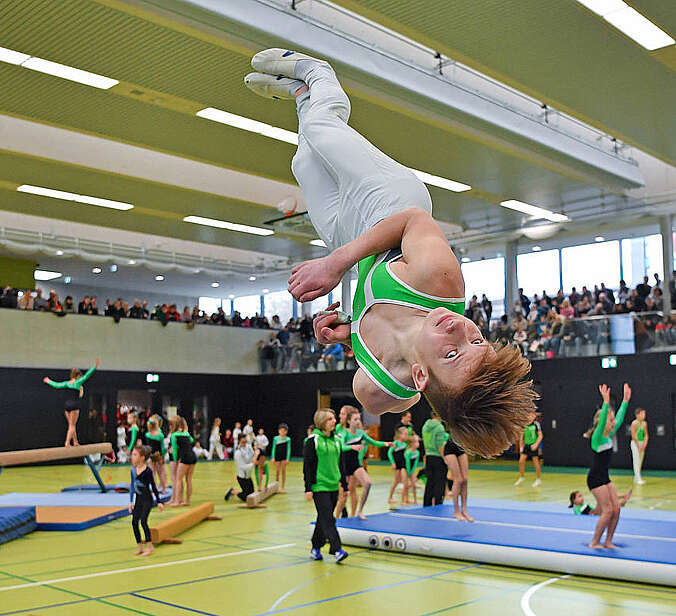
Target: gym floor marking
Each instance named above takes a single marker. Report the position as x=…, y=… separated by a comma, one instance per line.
x=525, y=599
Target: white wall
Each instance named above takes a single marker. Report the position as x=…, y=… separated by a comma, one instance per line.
x=44, y=340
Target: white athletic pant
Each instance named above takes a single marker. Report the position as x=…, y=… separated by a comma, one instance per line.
x=216, y=445
x=637, y=459
x=348, y=184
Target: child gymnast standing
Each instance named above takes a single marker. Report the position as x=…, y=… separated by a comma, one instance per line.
x=141, y=493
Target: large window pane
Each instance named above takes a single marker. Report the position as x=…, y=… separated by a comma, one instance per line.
x=487, y=276
x=538, y=271
x=591, y=264
x=248, y=305
x=653, y=257
x=210, y=305
x=279, y=303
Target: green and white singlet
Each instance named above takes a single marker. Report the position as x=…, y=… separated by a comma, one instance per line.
x=378, y=284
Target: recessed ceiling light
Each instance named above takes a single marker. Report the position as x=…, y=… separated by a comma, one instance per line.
x=231, y=297
x=465, y=259
x=59, y=253
x=224, y=224
x=599, y=238
x=159, y=278
x=630, y=22
x=96, y=270
x=57, y=70
x=435, y=180
x=252, y=278
x=113, y=268
x=215, y=285
x=266, y=290
x=536, y=248
x=253, y=126
x=533, y=210
x=319, y=243
x=66, y=196
x=45, y=275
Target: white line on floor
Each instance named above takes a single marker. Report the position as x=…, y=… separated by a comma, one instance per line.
x=525, y=599
x=531, y=526
x=293, y=590
x=141, y=568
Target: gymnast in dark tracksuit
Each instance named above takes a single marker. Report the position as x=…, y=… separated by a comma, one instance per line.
x=323, y=473
x=141, y=492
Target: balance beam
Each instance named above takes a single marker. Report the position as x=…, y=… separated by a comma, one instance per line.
x=165, y=532
x=27, y=456
x=255, y=499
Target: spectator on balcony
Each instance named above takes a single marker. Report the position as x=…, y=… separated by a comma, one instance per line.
x=643, y=289
x=656, y=300
x=502, y=333
x=555, y=332
x=623, y=293
x=125, y=307
x=583, y=306
x=609, y=293
x=608, y=306
x=487, y=307
x=276, y=323
x=237, y=319
x=524, y=302
x=25, y=302
x=173, y=314
x=518, y=310
x=586, y=293
x=658, y=282
x=331, y=356
x=306, y=331
x=558, y=299
x=672, y=288
x=116, y=311
x=68, y=305
x=218, y=318
x=9, y=297
x=567, y=311
x=533, y=314
x=284, y=336
x=637, y=301
x=520, y=339
x=664, y=332
x=136, y=312
x=53, y=303
x=93, y=308
x=519, y=321
x=83, y=306
x=186, y=317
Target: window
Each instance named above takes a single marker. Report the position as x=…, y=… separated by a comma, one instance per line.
x=538, y=271
x=591, y=264
x=210, y=305
x=486, y=276
x=248, y=305
x=278, y=303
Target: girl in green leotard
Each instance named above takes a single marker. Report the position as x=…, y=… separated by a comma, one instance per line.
x=74, y=402
x=639, y=442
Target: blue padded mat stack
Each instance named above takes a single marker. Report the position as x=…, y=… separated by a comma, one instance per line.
x=16, y=522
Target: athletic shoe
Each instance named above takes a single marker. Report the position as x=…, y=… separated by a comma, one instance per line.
x=640, y=482
x=315, y=554
x=228, y=494
x=269, y=86
x=341, y=555
x=537, y=483
x=277, y=61
x=519, y=481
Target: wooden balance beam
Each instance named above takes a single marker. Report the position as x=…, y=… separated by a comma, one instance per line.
x=165, y=532
x=28, y=456
x=255, y=499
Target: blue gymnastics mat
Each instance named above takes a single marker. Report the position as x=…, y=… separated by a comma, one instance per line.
x=526, y=537
x=75, y=498
x=16, y=522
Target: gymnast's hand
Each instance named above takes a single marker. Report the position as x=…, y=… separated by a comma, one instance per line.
x=604, y=390
x=308, y=496
x=328, y=330
x=160, y=506
x=46, y=380
x=315, y=278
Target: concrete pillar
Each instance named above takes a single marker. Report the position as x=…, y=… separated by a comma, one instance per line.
x=666, y=229
x=346, y=296
x=511, y=285
x=306, y=308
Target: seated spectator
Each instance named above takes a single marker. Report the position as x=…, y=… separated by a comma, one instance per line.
x=39, y=303
x=584, y=306
x=200, y=452
x=656, y=298
x=520, y=339
x=83, y=306
x=93, y=308
x=276, y=323
x=637, y=300
x=331, y=356
x=68, y=305
x=136, y=311
x=519, y=321
x=116, y=311
x=567, y=310
x=25, y=302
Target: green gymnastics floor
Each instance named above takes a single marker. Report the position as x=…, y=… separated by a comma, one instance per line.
x=256, y=561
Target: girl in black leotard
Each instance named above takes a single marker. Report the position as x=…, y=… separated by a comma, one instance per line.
x=141, y=492
x=181, y=452
x=74, y=401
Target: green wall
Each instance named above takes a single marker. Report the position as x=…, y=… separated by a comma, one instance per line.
x=17, y=273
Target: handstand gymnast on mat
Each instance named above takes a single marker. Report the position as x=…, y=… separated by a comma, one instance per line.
x=408, y=332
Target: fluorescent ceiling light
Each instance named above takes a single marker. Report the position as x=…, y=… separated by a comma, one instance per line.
x=215, y=285
x=599, y=238
x=96, y=270
x=533, y=210
x=224, y=224
x=319, y=243
x=252, y=278
x=57, y=70
x=12, y=57
x=159, y=278
x=45, y=275
x=266, y=290
x=465, y=259
x=231, y=297
x=253, y=126
x=66, y=196
x=59, y=253
x=435, y=180
x=630, y=22
x=536, y=248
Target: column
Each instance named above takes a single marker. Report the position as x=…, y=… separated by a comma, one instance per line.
x=306, y=308
x=666, y=229
x=511, y=286
x=346, y=296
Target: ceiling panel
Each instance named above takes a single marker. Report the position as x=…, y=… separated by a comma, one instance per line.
x=559, y=52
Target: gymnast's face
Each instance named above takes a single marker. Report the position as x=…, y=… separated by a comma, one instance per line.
x=451, y=347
